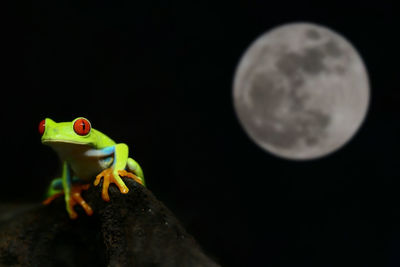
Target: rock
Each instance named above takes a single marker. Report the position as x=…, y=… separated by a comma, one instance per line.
x=131, y=230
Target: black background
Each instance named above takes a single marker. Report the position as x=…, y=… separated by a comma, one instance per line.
x=157, y=75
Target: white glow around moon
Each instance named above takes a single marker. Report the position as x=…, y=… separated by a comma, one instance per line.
x=301, y=91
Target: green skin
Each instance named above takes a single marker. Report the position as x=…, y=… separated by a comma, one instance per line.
x=86, y=156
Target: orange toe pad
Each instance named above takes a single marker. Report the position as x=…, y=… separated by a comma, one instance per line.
x=76, y=199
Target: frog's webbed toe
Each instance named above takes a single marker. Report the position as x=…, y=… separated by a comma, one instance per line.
x=124, y=173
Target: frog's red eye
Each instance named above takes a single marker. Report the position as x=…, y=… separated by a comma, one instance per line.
x=82, y=126
x=42, y=125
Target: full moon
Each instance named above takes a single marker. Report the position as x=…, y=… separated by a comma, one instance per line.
x=301, y=91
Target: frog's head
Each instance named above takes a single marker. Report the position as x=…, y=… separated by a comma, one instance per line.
x=78, y=132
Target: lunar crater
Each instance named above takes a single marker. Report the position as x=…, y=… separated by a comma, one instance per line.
x=313, y=34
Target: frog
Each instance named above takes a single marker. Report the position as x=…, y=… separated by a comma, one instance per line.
x=88, y=157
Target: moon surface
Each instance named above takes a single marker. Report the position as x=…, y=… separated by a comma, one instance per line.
x=301, y=91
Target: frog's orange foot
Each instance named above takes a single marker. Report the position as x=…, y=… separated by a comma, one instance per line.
x=75, y=198
x=48, y=200
x=124, y=173
x=109, y=177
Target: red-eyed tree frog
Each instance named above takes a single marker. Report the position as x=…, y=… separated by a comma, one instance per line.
x=86, y=153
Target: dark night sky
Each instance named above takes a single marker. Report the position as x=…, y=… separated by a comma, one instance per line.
x=157, y=75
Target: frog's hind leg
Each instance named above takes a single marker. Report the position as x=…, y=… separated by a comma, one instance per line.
x=134, y=167
x=54, y=191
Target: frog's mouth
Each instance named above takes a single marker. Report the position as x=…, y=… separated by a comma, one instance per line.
x=59, y=141
x=67, y=149
x=62, y=146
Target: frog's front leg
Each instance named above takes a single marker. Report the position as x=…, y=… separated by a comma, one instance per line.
x=72, y=191
x=74, y=198
x=117, y=170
